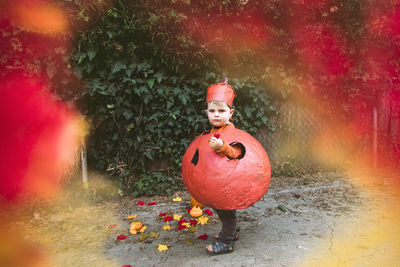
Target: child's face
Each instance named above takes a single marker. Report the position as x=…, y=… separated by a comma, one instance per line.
x=218, y=113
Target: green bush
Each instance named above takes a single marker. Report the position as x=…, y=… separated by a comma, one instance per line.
x=146, y=104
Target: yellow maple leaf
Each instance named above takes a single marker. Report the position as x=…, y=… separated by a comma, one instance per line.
x=177, y=217
x=189, y=242
x=132, y=216
x=203, y=220
x=177, y=199
x=186, y=224
x=166, y=227
x=154, y=235
x=142, y=237
x=162, y=247
x=144, y=227
x=193, y=229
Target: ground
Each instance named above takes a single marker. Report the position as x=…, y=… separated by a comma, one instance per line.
x=310, y=220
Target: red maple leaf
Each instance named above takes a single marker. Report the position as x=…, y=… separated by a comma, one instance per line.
x=140, y=203
x=180, y=226
x=121, y=237
x=216, y=135
x=162, y=214
x=188, y=210
x=126, y=265
x=168, y=218
x=208, y=211
x=193, y=222
x=204, y=237
x=182, y=221
x=151, y=203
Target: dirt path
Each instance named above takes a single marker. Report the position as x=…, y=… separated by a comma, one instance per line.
x=297, y=222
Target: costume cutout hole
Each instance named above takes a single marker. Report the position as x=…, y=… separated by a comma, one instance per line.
x=195, y=158
x=242, y=148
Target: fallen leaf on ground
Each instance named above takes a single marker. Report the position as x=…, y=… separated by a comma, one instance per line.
x=144, y=227
x=168, y=218
x=154, y=235
x=193, y=222
x=203, y=220
x=162, y=214
x=162, y=247
x=193, y=229
x=182, y=221
x=181, y=227
x=112, y=226
x=140, y=203
x=208, y=211
x=142, y=237
x=282, y=208
x=46, y=241
x=126, y=265
x=166, y=227
x=186, y=224
x=121, y=237
x=189, y=209
x=189, y=242
x=68, y=226
x=177, y=217
x=203, y=237
x=151, y=203
x=132, y=216
x=177, y=199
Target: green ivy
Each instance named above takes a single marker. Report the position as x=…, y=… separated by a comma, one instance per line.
x=145, y=112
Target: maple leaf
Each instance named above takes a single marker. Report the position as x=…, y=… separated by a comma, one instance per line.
x=193, y=229
x=126, y=265
x=166, y=227
x=203, y=237
x=140, y=203
x=186, y=224
x=208, y=211
x=203, y=220
x=181, y=227
x=177, y=217
x=189, y=242
x=142, y=237
x=151, y=203
x=143, y=228
x=168, y=218
x=182, y=221
x=162, y=247
x=177, y=199
x=154, y=235
x=132, y=216
x=216, y=135
x=189, y=209
x=162, y=214
x=121, y=237
x=193, y=222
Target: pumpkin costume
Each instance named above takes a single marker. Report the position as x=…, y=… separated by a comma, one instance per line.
x=233, y=177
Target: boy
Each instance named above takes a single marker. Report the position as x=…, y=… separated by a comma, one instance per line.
x=219, y=115
x=226, y=169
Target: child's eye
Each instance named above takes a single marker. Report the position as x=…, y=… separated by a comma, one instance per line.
x=221, y=110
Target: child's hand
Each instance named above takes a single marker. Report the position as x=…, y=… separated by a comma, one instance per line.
x=216, y=143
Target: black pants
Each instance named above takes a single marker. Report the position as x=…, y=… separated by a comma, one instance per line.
x=228, y=220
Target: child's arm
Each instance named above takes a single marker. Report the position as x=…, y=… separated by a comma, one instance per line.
x=224, y=149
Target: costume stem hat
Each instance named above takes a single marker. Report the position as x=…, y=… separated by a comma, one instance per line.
x=222, y=92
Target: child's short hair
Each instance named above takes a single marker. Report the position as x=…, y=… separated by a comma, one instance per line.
x=217, y=103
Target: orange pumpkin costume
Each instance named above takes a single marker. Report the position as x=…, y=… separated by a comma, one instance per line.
x=230, y=178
